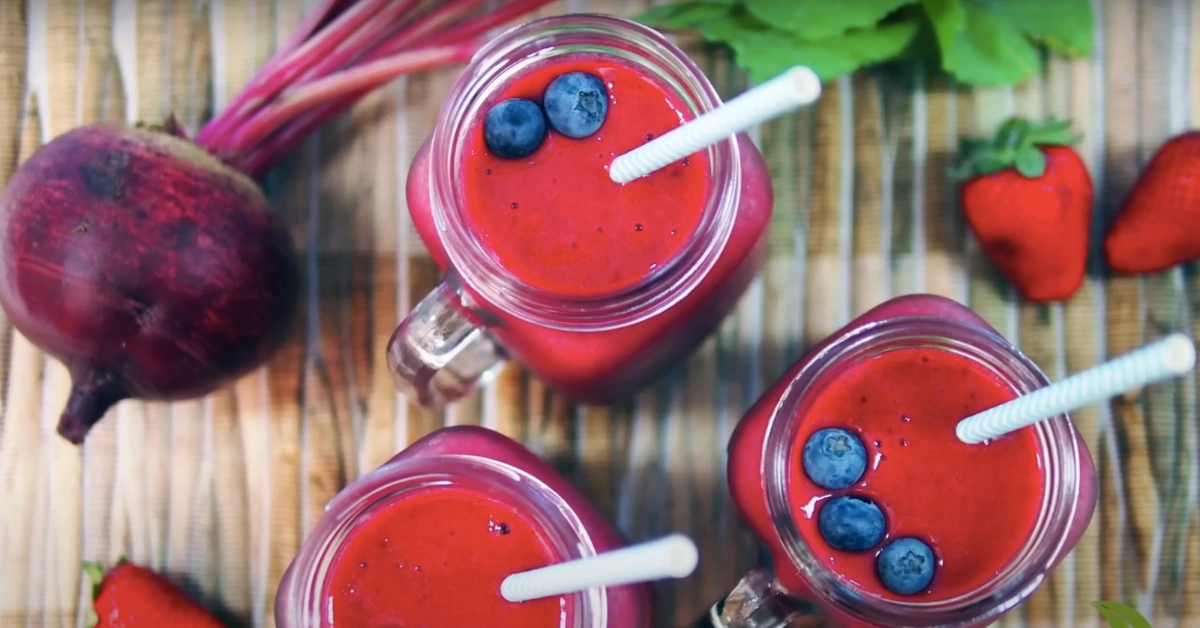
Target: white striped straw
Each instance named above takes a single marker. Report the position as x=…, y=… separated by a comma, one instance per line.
x=1169, y=357
x=674, y=556
x=787, y=92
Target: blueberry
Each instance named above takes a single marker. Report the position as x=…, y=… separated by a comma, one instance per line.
x=514, y=128
x=851, y=524
x=576, y=104
x=834, y=458
x=906, y=566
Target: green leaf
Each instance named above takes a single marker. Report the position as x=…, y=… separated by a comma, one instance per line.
x=979, y=45
x=764, y=52
x=686, y=15
x=1056, y=133
x=1064, y=26
x=1012, y=133
x=948, y=17
x=95, y=575
x=1031, y=162
x=819, y=19
x=992, y=163
x=1016, y=144
x=1121, y=616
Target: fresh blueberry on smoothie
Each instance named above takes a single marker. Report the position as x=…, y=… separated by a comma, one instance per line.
x=834, y=458
x=576, y=104
x=906, y=566
x=851, y=524
x=514, y=128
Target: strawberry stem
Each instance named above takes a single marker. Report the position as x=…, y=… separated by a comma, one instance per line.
x=341, y=52
x=1016, y=145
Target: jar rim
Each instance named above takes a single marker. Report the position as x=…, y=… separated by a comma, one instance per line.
x=507, y=55
x=1058, y=450
x=549, y=512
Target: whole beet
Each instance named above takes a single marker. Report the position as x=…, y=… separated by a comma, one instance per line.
x=147, y=266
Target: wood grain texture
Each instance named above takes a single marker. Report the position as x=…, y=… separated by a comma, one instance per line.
x=220, y=491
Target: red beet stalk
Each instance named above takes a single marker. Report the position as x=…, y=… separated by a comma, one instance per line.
x=151, y=264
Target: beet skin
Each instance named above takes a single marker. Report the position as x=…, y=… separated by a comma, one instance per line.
x=144, y=264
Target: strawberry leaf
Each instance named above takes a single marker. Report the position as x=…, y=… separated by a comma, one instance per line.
x=1031, y=162
x=94, y=572
x=992, y=163
x=819, y=20
x=1054, y=133
x=1017, y=144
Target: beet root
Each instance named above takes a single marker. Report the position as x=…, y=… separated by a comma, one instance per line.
x=147, y=266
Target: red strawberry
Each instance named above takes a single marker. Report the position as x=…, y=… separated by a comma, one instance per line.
x=1159, y=226
x=131, y=596
x=1028, y=199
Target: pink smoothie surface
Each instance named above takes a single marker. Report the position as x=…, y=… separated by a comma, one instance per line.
x=975, y=505
x=556, y=221
x=436, y=557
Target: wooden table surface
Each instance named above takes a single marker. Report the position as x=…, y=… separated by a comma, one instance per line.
x=219, y=492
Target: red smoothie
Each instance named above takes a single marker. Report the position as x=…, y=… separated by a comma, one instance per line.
x=555, y=219
x=975, y=505
x=899, y=377
x=437, y=557
x=596, y=287
x=426, y=539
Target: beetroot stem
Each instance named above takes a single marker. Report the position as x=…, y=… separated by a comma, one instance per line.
x=347, y=53
x=262, y=156
x=364, y=41
x=218, y=126
x=366, y=77
x=324, y=14
x=486, y=22
x=284, y=70
x=440, y=18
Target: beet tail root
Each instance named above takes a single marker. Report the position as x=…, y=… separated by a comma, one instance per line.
x=91, y=397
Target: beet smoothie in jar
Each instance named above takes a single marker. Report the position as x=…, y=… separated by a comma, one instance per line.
x=874, y=513
x=427, y=539
x=596, y=286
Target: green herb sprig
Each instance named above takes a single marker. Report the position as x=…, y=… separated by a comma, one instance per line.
x=978, y=42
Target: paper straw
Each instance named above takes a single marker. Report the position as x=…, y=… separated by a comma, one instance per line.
x=673, y=556
x=1169, y=357
x=787, y=92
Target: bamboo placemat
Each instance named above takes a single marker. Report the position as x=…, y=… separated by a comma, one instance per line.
x=220, y=491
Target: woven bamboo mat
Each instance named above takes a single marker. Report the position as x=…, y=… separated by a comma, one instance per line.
x=220, y=491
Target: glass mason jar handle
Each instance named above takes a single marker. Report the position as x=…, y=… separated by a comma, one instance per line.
x=441, y=352
x=757, y=603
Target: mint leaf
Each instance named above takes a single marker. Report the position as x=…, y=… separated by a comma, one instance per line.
x=765, y=52
x=682, y=15
x=1064, y=26
x=1121, y=616
x=819, y=19
x=948, y=17
x=979, y=46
